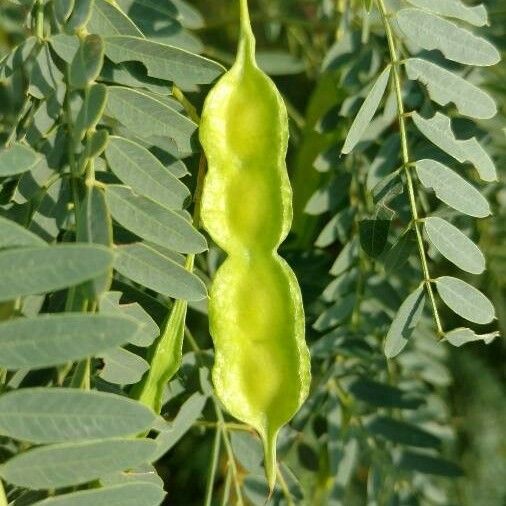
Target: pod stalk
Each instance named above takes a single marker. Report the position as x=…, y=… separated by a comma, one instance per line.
x=247, y=39
x=270, y=461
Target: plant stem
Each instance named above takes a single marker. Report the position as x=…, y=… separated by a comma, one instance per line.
x=228, y=425
x=214, y=465
x=226, y=487
x=222, y=426
x=71, y=152
x=406, y=163
x=39, y=20
x=81, y=376
x=3, y=496
x=284, y=487
x=230, y=453
x=188, y=106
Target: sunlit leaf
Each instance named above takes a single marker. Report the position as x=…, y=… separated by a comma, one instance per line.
x=133, y=108
x=454, y=245
x=80, y=14
x=163, y=61
x=16, y=159
x=91, y=111
x=54, y=339
x=43, y=269
x=13, y=235
x=445, y=86
x=405, y=322
x=452, y=189
x=462, y=335
x=142, y=473
x=66, y=464
x=171, y=433
x=122, y=367
x=148, y=267
x=87, y=62
x=438, y=130
x=146, y=14
x=153, y=222
x=45, y=76
x=148, y=330
x=457, y=44
x=63, y=9
x=65, y=46
x=465, y=300
x=366, y=111
x=51, y=415
x=475, y=15
x=126, y=494
x=95, y=227
x=144, y=173
x=107, y=19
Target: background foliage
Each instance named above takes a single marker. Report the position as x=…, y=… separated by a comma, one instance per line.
x=99, y=107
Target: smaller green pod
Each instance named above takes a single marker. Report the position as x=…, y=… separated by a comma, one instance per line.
x=261, y=372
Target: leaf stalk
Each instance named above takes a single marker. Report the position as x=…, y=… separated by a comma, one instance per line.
x=407, y=162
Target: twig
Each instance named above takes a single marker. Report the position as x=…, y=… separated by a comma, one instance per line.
x=407, y=163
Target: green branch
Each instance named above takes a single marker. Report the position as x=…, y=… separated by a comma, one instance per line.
x=212, y=470
x=406, y=163
x=221, y=426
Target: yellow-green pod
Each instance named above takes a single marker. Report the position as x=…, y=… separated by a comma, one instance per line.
x=262, y=366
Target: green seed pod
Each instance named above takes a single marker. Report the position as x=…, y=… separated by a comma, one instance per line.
x=262, y=364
